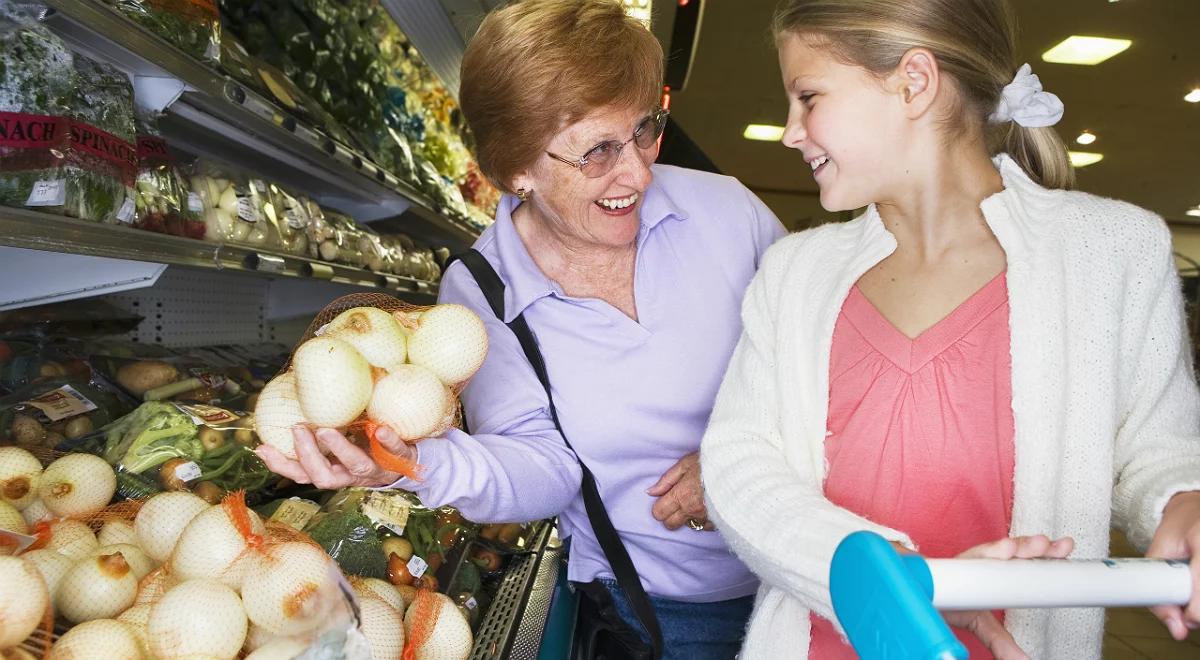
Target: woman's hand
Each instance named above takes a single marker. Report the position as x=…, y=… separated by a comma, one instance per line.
x=1178, y=537
x=982, y=623
x=347, y=464
x=681, y=496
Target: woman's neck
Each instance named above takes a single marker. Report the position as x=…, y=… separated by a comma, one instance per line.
x=941, y=210
x=567, y=258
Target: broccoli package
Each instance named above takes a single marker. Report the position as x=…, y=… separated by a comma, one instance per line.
x=194, y=26
x=163, y=203
x=173, y=446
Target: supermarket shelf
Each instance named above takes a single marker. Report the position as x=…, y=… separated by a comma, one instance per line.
x=41, y=231
x=212, y=115
x=516, y=619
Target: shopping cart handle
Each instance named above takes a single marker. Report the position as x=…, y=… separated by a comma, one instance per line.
x=888, y=603
x=885, y=602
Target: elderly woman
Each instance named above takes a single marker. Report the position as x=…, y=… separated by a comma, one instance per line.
x=631, y=276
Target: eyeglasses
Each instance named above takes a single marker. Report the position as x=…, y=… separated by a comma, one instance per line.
x=600, y=159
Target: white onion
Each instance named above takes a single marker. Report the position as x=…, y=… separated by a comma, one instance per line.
x=373, y=332
x=451, y=636
x=117, y=531
x=212, y=547
x=449, y=340
x=277, y=411
x=383, y=627
x=139, y=563
x=413, y=403
x=102, y=638
x=20, y=614
x=138, y=620
x=280, y=648
x=162, y=519
x=11, y=520
x=374, y=587
x=52, y=565
x=333, y=381
x=197, y=617
x=96, y=588
x=258, y=637
x=291, y=588
x=20, y=473
x=77, y=485
x=72, y=538
x=36, y=512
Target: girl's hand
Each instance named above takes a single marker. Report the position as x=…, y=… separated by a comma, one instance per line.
x=681, y=496
x=1178, y=537
x=982, y=623
x=347, y=464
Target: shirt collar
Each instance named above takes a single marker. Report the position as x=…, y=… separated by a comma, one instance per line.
x=524, y=282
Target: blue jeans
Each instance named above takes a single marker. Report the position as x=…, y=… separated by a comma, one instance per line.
x=691, y=631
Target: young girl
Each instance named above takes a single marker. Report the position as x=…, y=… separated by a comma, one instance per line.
x=980, y=363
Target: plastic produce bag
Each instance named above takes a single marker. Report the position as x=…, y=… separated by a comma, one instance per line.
x=51, y=412
x=290, y=216
x=233, y=208
x=193, y=26
x=319, y=230
x=163, y=202
x=103, y=137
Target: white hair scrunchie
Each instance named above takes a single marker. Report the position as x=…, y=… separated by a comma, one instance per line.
x=1024, y=102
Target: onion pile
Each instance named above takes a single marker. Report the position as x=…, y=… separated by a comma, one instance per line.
x=401, y=369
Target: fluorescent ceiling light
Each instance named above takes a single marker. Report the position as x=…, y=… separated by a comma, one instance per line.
x=1195, y=213
x=1086, y=137
x=1085, y=50
x=638, y=9
x=1084, y=158
x=763, y=132
x=1193, y=96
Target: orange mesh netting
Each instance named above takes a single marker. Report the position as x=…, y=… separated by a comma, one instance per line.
x=425, y=610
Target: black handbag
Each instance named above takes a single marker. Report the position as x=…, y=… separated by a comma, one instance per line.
x=600, y=633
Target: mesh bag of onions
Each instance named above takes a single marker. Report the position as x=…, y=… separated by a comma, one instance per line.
x=369, y=361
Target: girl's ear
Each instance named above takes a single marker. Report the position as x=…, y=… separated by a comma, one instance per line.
x=916, y=80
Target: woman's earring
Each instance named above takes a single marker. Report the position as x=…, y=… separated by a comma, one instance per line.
x=523, y=194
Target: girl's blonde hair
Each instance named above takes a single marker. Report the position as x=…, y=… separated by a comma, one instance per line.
x=974, y=42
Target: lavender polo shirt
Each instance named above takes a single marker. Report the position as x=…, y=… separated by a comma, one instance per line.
x=633, y=396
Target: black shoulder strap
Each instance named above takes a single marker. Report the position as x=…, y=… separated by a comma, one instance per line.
x=610, y=542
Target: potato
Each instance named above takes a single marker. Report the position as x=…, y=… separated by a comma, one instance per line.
x=26, y=430
x=141, y=377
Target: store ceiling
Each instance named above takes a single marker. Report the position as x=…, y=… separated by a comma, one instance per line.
x=1149, y=135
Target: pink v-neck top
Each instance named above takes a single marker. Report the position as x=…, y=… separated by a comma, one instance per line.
x=920, y=434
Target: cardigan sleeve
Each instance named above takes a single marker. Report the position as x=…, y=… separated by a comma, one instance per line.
x=771, y=511
x=1157, y=451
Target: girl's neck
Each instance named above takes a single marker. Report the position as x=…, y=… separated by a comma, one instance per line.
x=939, y=208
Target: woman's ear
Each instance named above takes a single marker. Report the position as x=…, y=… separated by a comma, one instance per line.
x=917, y=81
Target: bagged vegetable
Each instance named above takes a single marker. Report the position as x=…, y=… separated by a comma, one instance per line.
x=163, y=203
x=103, y=138
x=319, y=230
x=193, y=26
x=193, y=447
x=51, y=412
x=370, y=360
x=233, y=208
x=290, y=216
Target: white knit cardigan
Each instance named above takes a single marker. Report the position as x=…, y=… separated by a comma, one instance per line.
x=1105, y=403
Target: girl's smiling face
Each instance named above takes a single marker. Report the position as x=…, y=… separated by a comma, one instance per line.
x=848, y=123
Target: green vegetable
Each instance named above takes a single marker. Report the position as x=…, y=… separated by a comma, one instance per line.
x=135, y=486
x=150, y=436
x=350, y=538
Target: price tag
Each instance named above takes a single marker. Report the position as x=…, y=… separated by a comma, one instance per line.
x=471, y=603
x=62, y=403
x=246, y=210
x=204, y=415
x=387, y=510
x=417, y=566
x=125, y=213
x=48, y=193
x=295, y=512
x=187, y=472
x=294, y=219
x=195, y=204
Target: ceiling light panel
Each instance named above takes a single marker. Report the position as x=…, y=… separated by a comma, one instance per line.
x=1085, y=50
x=763, y=132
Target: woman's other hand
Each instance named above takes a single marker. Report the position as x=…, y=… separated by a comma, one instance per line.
x=982, y=623
x=1178, y=537
x=346, y=465
x=681, y=496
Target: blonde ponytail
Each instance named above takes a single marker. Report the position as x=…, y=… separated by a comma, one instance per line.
x=1041, y=153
